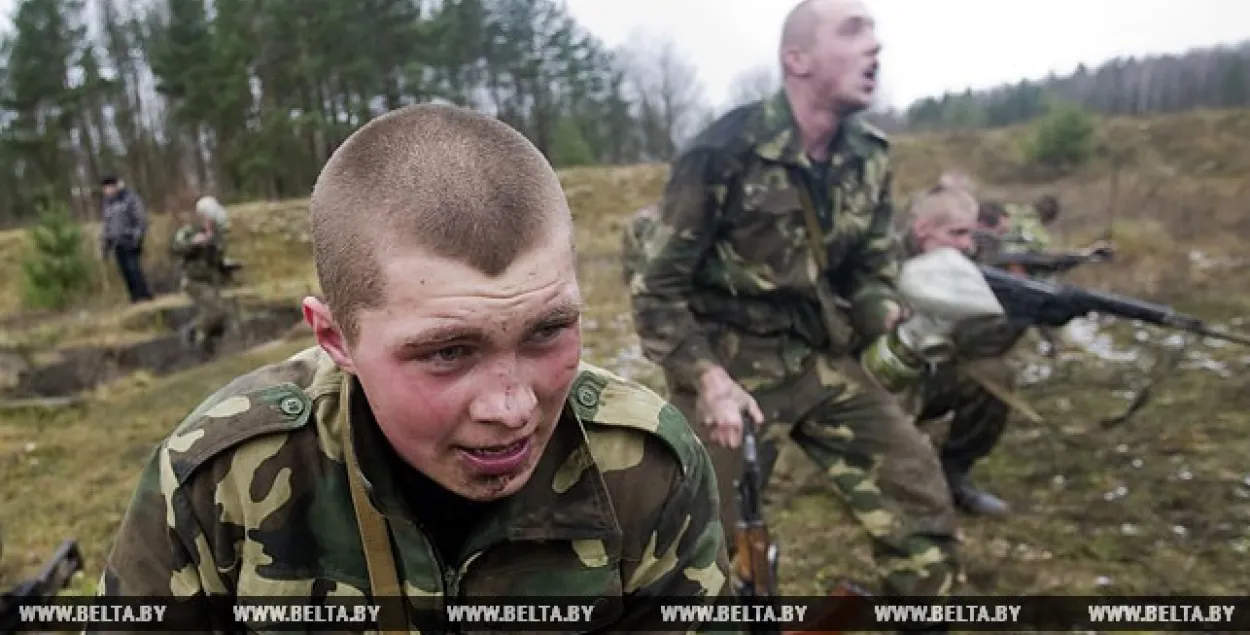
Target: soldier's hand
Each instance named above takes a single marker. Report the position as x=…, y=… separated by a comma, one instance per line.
x=893, y=315
x=720, y=404
x=199, y=239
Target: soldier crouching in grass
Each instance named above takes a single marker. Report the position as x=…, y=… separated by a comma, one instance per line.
x=444, y=438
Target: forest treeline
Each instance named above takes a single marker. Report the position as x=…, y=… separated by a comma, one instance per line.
x=1217, y=77
x=247, y=98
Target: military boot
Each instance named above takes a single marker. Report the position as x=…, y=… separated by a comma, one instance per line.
x=970, y=499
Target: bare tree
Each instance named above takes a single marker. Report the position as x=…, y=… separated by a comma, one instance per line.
x=754, y=84
x=667, y=92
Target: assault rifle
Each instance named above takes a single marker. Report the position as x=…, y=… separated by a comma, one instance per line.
x=54, y=576
x=1042, y=303
x=756, y=555
x=1047, y=263
x=1043, y=263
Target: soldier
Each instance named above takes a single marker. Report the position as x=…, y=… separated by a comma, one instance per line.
x=948, y=216
x=730, y=302
x=445, y=409
x=1029, y=224
x=199, y=246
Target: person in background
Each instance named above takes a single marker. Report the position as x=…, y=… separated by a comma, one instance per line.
x=199, y=246
x=125, y=227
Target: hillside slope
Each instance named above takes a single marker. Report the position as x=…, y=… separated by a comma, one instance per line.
x=1091, y=502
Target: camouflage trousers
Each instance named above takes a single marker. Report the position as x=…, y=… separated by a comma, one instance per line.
x=211, y=312
x=978, y=417
x=846, y=427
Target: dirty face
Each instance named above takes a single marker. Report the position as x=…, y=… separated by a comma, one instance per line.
x=468, y=375
x=842, y=60
x=953, y=229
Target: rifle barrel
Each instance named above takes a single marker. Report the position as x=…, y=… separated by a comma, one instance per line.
x=1238, y=338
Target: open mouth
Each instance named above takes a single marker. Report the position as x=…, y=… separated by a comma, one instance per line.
x=870, y=73
x=496, y=451
x=498, y=460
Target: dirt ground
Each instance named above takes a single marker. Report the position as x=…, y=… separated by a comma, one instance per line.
x=1159, y=504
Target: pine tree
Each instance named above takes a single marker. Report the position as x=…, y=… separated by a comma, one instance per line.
x=56, y=270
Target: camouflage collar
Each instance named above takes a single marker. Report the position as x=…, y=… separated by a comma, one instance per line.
x=549, y=507
x=778, y=136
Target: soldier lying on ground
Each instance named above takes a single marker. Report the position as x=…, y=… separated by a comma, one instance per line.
x=446, y=402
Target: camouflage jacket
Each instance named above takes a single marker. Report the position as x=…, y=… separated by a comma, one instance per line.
x=249, y=497
x=732, y=247
x=199, y=262
x=1027, y=232
x=636, y=235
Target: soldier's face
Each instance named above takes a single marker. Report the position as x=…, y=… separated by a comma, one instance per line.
x=954, y=231
x=844, y=55
x=467, y=375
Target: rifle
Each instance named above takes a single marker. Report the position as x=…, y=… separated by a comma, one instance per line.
x=756, y=555
x=54, y=576
x=1047, y=263
x=1043, y=303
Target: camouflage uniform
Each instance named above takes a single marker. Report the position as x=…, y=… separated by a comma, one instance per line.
x=1027, y=232
x=635, y=237
x=732, y=281
x=202, y=278
x=979, y=418
x=249, y=496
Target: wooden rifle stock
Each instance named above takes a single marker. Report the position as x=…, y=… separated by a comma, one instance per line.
x=751, y=562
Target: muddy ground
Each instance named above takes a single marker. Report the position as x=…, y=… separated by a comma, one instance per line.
x=1158, y=504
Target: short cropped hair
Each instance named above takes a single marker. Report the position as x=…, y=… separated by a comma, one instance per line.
x=1047, y=207
x=952, y=192
x=991, y=213
x=460, y=184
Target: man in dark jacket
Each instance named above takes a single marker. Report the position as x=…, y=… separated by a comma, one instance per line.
x=125, y=225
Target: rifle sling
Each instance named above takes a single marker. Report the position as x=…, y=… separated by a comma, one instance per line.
x=839, y=332
x=1003, y=393
x=815, y=235
x=375, y=538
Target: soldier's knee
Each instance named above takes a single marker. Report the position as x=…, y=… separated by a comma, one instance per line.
x=926, y=565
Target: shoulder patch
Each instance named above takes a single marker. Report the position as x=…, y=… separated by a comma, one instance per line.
x=603, y=398
x=224, y=422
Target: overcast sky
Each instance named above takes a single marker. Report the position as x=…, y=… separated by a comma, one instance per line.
x=931, y=46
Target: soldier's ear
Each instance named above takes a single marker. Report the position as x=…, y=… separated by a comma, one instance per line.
x=327, y=332
x=795, y=62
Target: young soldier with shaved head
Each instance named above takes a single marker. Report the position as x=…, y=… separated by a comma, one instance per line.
x=730, y=299
x=444, y=438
